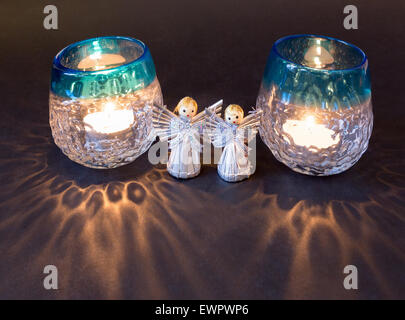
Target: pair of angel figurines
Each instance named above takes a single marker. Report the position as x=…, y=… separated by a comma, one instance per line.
x=183, y=129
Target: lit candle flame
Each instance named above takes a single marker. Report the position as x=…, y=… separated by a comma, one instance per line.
x=310, y=121
x=109, y=107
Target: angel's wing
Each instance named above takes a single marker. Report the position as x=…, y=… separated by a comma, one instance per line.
x=218, y=130
x=166, y=123
x=251, y=123
x=215, y=108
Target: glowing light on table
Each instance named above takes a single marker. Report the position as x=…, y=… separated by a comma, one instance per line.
x=307, y=133
x=109, y=120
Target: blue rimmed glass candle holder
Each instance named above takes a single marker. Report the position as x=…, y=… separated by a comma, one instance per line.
x=101, y=94
x=316, y=101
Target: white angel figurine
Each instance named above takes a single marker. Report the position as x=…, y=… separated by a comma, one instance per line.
x=232, y=133
x=183, y=134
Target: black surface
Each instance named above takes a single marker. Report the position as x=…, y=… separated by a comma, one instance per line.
x=135, y=232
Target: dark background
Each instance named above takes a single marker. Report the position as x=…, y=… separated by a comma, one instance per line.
x=135, y=232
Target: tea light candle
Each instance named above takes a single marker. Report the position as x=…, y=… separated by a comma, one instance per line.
x=308, y=133
x=109, y=120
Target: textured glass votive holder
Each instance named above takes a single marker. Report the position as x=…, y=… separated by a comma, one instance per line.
x=316, y=101
x=101, y=96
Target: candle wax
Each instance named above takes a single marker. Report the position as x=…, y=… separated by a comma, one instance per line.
x=307, y=133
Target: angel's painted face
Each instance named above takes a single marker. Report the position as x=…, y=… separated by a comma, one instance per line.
x=188, y=110
x=187, y=107
x=233, y=116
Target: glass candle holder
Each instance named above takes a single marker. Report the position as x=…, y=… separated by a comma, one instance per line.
x=100, y=105
x=316, y=101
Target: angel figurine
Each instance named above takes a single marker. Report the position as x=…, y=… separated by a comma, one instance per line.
x=183, y=132
x=232, y=133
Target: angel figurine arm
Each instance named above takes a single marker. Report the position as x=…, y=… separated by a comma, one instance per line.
x=200, y=119
x=166, y=123
x=250, y=124
x=219, y=131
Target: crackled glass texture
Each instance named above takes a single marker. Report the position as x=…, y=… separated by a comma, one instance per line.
x=100, y=105
x=316, y=101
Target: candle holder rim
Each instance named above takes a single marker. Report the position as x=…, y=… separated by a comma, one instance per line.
x=358, y=66
x=58, y=65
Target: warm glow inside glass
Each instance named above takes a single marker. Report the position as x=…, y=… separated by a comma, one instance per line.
x=100, y=101
x=316, y=101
